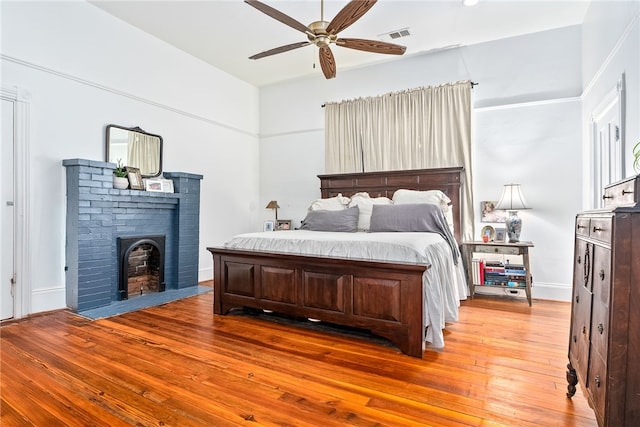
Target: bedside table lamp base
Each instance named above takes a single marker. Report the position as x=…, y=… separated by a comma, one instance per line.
x=514, y=226
x=512, y=200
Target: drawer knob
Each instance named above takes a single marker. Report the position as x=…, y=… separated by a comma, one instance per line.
x=605, y=197
x=600, y=328
x=597, y=381
x=596, y=229
x=602, y=274
x=580, y=227
x=625, y=192
x=584, y=330
x=577, y=299
x=575, y=338
x=579, y=259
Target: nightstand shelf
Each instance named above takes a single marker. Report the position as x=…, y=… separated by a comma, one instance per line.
x=520, y=277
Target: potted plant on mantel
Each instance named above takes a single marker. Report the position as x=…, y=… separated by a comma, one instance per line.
x=120, y=180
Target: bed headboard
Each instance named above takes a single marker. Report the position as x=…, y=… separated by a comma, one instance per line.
x=385, y=183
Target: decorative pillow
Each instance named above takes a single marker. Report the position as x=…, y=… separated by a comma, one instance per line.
x=330, y=204
x=435, y=197
x=365, y=203
x=331, y=220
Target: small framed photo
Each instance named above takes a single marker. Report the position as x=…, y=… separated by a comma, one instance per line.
x=283, y=224
x=488, y=234
x=153, y=185
x=159, y=185
x=135, y=179
x=268, y=226
x=500, y=234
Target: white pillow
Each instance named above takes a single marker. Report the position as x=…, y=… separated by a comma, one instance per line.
x=330, y=204
x=435, y=197
x=365, y=204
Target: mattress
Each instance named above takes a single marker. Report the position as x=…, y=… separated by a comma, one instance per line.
x=444, y=284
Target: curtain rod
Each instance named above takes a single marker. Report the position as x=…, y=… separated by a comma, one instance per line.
x=473, y=84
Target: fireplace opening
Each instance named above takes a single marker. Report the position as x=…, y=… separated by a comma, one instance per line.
x=141, y=265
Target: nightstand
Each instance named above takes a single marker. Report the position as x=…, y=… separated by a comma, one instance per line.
x=520, y=277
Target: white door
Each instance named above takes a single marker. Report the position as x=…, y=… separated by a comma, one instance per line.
x=607, y=145
x=7, y=217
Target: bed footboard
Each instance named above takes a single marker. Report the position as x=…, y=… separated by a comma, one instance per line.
x=385, y=298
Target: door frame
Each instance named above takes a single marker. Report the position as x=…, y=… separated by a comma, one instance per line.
x=22, y=290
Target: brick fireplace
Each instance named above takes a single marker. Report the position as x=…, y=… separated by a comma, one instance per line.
x=100, y=217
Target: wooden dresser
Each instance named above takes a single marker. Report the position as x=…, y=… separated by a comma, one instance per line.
x=604, y=343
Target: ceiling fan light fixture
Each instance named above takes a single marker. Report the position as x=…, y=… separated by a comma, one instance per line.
x=322, y=33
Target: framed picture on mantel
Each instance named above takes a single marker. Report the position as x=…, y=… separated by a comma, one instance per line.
x=135, y=178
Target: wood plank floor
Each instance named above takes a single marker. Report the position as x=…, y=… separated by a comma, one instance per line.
x=178, y=365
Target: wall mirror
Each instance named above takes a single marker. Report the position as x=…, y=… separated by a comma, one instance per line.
x=135, y=148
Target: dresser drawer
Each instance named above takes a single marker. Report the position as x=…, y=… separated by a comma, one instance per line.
x=583, y=226
x=621, y=193
x=600, y=229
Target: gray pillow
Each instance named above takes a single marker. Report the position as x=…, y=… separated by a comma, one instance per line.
x=323, y=220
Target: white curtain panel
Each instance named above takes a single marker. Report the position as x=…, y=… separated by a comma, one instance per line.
x=143, y=152
x=428, y=127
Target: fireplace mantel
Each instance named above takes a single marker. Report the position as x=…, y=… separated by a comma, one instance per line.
x=97, y=214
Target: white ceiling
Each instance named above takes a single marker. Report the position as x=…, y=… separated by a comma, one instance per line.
x=225, y=33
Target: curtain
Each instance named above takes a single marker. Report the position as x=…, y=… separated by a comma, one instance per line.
x=428, y=127
x=144, y=152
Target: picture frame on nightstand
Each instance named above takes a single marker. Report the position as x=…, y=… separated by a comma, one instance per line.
x=488, y=233
x=283, y=224
x=501, y=233
x=268, y=226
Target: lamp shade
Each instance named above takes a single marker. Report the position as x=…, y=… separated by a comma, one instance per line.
x=273, y=205
x=512, y=199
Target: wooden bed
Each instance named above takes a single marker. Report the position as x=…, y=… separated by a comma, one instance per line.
x=383, y=297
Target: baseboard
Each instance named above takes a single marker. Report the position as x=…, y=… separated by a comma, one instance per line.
x=48, y=299
x=205, y=274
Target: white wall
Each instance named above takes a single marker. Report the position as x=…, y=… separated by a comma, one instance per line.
x=527, y=130
x=611, y=47
x=83, y=70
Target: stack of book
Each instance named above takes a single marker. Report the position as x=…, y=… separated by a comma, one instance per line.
x=495, y=273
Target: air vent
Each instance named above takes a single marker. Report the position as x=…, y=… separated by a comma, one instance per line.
x=394, y=35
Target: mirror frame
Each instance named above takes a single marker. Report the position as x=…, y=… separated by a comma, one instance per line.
x=138, y=130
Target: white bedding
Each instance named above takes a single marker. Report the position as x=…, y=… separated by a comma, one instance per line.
x=444, y=283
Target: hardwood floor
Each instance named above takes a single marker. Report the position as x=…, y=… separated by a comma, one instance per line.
x=177, y=364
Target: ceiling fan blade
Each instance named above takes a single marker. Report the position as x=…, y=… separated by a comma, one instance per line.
x=327, y=62
x=277, y=15
x=279, y=49
x=349, y=14
x=372, y=46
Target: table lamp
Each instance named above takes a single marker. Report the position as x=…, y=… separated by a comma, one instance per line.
x=512, y=200
x=273, y=205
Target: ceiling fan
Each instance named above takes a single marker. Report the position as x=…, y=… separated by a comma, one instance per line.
x=323, y=33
